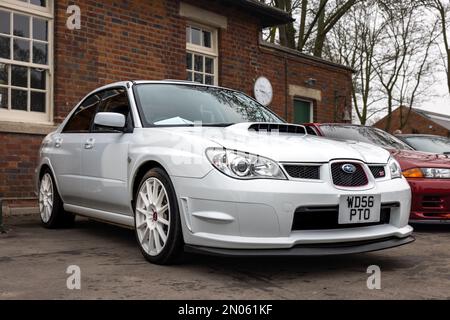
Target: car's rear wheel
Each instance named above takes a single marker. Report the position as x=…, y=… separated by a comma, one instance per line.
x=157, y=219
x=51, y=207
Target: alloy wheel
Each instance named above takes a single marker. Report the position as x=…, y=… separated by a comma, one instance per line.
x=152, y=216
x=46, y=198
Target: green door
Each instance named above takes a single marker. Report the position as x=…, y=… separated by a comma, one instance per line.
x=302, y=111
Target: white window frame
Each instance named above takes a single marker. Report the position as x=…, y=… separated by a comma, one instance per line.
x=46, y=13
x=212, y=52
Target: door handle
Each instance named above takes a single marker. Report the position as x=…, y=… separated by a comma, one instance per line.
x=58, y=142
x=89, y=143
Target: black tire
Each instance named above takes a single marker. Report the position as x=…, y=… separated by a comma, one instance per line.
x=59, y=218
x=173, y=248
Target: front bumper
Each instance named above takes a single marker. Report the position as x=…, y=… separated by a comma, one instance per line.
x=430, y=200
x=221, y=212
x=308, y=250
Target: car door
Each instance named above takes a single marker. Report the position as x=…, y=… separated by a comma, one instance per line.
x=104, y=160
x=67, y=145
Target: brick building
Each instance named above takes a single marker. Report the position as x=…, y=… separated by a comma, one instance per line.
x=47, y=66
x=419, y=121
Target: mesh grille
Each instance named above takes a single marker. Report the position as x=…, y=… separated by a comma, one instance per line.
x=303, y=171
x=378, y=171
x=343, y=179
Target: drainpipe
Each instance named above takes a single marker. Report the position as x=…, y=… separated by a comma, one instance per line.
x=286, y=89
x=2, y=227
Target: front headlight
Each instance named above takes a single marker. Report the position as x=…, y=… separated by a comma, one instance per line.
x=431, y=173
x=394, y=168
x=242, y=165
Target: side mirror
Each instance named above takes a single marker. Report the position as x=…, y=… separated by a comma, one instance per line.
x=110, y=120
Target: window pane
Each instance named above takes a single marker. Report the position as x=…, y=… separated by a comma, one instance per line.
x=5, y=22
x=198, y=63
x=21, y=25
x=209, y=79
x=3, y=73
x=198, y=77
x=189, y=76
x=41, y=3
x=207, y=39
x=38, y=80
x=196, y=36
x=4, y=98
x=22, y=50
x=19, y=99
x=40, y=29
x=19, y=76
x=189, y=61
x=209, y=65
x=115, y=101
x=37, y=101
x=5, y=47
x=39, y=52
x=83, y=116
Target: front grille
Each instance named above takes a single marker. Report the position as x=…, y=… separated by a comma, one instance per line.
x=343, y=179
x=378, y=172
x=432, y=202
x=327, y=217
x=303, y=171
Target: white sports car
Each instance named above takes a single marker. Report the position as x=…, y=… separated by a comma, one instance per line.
x=208, y=169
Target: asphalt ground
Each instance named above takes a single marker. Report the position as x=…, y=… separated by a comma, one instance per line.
x=34, y=262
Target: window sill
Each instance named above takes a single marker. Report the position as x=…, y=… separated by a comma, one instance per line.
x=26, y=128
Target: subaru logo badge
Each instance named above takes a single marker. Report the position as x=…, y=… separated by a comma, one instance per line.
x=348, y=168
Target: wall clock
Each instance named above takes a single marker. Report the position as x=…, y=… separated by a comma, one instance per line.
x=263, y=91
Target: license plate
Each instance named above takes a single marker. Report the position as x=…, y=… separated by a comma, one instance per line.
x=359, y=209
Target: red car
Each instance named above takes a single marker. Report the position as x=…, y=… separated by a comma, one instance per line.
x=427, y=173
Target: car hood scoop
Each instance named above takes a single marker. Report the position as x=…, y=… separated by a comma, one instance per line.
x=272, y=127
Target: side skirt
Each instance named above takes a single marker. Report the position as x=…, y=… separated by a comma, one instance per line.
x=103, y=216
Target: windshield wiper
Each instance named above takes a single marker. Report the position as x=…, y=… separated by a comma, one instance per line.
x=221, y=125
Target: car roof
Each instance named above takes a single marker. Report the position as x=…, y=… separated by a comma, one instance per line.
x=318, y=124
x=406, y=135
x=168, y=81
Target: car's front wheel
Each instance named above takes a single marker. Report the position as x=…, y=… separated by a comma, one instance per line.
x=157, y=219
x=51, y=208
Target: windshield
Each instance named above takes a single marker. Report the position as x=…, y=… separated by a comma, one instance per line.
x=187, y=105
x=363, y=134
x=429, y=144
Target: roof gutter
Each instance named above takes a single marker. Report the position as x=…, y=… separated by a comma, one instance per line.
x=270, y=16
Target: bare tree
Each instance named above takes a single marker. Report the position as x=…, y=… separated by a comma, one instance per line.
x=404, y=60
x=442, y=9
x=316, y=18
x=354, y=42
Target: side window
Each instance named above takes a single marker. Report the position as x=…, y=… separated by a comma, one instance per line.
x=81, y=120
x=115, y=100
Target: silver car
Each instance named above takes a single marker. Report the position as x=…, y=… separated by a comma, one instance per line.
x=208, y=169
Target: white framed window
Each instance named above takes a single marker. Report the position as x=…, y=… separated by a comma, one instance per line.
x=26, y=61
x=201, y=54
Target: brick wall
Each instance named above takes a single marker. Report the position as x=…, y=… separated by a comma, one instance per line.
x=18, y=156
x=243, y=60
x=416, y=124
x=142, y=39
x=118, y=40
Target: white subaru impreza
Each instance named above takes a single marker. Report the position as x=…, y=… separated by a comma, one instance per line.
x=207, y=169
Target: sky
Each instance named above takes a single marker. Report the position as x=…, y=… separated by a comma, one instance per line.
x=441, y=103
